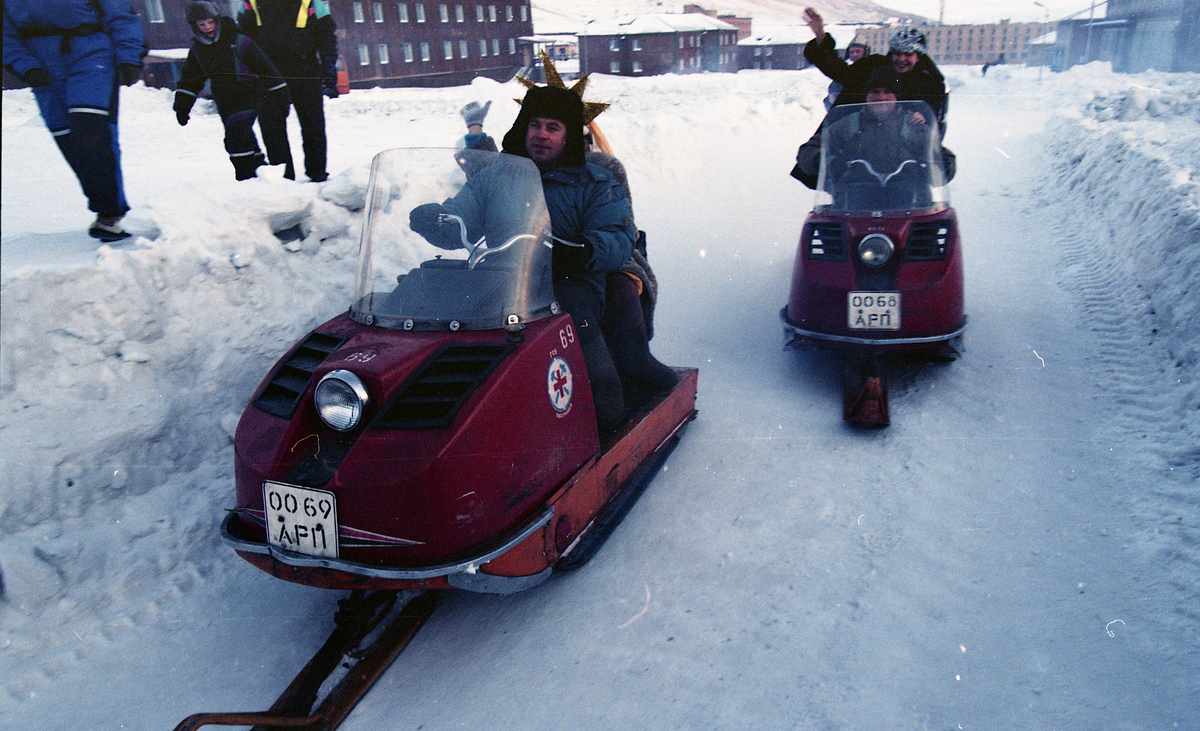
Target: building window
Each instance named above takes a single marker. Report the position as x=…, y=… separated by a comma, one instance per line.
x=637, y=67
x=364, y=55
x=512, y=46
x=403, y=8
x=492, y=13
x=637, y=44
x=378, y=8
x=478, y=13
x=384, y=56
x=154, y=11
x=444, y=13
x=482, y=48
x=408, y=54
x=614, y=67
x=508, y=16
x=524, y=13
x=447, y=50
x=462, y=49
x=458, y=14
x=420, y=7
x=424, y=51
x=358, y=13
x=681, y=41
x=614, y=44
x=495, y=46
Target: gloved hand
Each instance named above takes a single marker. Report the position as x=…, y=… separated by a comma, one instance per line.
x=569, y=257
x=34, y=78
x=475, y=114
x=182, y=106
x=424, y=219
x=329, y=79
x=129, y=73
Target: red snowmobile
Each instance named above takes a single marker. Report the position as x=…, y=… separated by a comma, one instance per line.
x=441, y=433
x=878, y=271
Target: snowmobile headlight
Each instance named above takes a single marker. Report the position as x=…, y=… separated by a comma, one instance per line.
x=340, y=399
x=876, y=250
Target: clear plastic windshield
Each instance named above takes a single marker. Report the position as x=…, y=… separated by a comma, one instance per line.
x=881, y=157
x=442, y=252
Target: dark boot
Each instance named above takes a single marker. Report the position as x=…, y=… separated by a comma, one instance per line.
x=624, y=327
x=606, y=386
x=246, y=166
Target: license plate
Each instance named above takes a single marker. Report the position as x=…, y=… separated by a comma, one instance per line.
x=874, y=311
x=301, y=519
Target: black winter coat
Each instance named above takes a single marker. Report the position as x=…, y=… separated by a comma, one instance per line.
x=237, y=69
x=923, y=82
x=297, y=51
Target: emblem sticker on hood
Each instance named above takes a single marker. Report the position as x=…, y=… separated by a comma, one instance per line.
x=560, y=385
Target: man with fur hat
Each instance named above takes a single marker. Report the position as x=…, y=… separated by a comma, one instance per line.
x=907, y=55
x=241, y=79
x=590, y=219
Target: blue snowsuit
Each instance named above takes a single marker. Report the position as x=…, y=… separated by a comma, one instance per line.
x=80, y=44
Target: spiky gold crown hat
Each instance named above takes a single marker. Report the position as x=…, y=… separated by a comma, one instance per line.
x=591, y=110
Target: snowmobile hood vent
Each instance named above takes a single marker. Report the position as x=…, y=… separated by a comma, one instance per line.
x=282, y=393
x=826, y=241
x=436, y=393
x=929, y=240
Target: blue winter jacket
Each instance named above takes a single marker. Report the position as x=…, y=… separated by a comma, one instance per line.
x=34, y=33
x=585, y=203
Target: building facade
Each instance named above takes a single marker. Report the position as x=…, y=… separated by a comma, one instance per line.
x=1002, y=42
x=649, y=45
x=776, y=51
x=381, y=42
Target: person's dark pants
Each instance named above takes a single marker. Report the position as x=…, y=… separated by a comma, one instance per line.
x=272, y=122
x=624, y=327
x=242, y=145
x=581, y=302
x=309, y=104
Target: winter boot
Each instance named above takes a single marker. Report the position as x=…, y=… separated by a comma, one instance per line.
x=624, y=327
x=246, y=166
x=107, y=229
x=606, y=386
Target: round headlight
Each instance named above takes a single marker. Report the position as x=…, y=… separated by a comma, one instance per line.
x=340, y=399
x=876, y=250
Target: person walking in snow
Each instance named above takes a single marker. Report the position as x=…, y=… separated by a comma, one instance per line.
x=298, y=37
x=75, y=54
x=242, y=79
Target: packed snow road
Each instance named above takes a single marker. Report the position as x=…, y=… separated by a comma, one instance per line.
x=1017, y=551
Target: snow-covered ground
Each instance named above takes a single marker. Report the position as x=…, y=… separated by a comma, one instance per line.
x=1019, y=550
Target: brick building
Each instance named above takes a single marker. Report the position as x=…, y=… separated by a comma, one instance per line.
x=648, y=45
x=967, y=44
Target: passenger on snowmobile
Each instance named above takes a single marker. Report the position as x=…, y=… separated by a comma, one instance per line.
x=590, y=219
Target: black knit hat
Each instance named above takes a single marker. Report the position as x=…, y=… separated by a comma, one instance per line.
x=549, y=102
x=884, y=77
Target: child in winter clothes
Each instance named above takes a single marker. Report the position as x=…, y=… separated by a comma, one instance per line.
x=242, y=79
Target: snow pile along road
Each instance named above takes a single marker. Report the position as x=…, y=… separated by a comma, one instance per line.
x=122, y=375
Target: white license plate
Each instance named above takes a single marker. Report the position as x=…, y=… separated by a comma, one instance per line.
x=301, y=519
x=874, y=311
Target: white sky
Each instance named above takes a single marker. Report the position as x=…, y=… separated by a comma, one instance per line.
x=989, y=11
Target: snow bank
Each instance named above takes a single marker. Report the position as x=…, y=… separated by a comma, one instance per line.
x=1128, y=156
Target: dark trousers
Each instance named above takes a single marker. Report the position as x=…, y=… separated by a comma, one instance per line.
x=242, y=145
x=90, y=148
x=309, y=103
x=580, y=301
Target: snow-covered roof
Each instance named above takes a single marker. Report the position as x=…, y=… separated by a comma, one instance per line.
x=780, y=38
x=654, y=23
x=1049, y=39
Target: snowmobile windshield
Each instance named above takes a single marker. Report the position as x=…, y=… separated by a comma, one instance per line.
x=440, y=251
x=881, y=157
